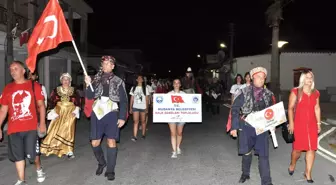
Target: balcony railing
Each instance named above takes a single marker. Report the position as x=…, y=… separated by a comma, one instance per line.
x=17, y=18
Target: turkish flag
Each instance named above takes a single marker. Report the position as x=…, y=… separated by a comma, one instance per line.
x=49, y=32
x=24, y=37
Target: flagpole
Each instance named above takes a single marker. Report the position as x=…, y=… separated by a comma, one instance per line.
x=81, y=62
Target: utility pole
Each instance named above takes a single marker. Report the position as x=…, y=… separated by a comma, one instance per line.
x=275, y=65
x=231, y=34
x=9, y=38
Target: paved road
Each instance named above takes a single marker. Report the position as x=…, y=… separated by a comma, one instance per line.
x=209, y=158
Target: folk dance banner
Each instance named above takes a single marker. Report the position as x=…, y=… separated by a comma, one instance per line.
x=268, y=119
x=171, y=108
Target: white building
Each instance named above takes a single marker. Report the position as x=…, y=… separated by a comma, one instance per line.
x=323, y=66
x=56, y=61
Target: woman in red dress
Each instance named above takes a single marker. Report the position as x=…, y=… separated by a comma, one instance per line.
x=304, y=121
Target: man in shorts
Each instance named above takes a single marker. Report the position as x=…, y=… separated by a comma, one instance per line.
x=41, y=175
x=18, y=100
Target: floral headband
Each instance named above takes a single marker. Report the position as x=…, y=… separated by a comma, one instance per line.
x=109, y=58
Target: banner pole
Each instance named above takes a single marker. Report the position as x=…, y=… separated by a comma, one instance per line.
x=275, y=141
x=81, y=62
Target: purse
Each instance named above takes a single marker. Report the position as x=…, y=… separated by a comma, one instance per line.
x=288, y=137
x=40, y=135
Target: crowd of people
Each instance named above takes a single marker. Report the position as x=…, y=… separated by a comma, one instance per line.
x=108, y=105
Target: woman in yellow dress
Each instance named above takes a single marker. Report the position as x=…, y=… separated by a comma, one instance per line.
x=63, y=110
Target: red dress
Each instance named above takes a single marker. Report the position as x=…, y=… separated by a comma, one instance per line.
x=305, y=122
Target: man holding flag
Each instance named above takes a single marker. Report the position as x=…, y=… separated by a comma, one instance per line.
x=48, y=33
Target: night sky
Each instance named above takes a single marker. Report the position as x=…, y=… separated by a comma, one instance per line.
x=172, y=34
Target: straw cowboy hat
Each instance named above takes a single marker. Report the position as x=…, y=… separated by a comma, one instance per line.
x=189, y=70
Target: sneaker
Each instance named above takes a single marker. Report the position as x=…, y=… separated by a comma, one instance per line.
x=179, y=151
x=134, y=139
x=143, y=137
x=174, y=155
x=20, y=183
x=40, y=175
x=71, y=155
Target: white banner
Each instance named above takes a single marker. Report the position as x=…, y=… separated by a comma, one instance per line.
x=268, y=119
x=171, y=108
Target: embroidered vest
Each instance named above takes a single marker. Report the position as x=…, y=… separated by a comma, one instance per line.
x=114, y=84
x=249, y=102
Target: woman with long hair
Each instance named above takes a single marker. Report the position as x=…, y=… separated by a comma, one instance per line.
x=238, y=82
x=176, y=129
x=247, y=80
x=304, y=115
x=139, y=105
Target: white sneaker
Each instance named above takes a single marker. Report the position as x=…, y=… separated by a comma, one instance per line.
x=174, y=155
x=20, y=183
x=41, y=176
x=71, y=155
x=179, y=151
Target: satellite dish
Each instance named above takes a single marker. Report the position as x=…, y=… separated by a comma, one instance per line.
x=220, y=56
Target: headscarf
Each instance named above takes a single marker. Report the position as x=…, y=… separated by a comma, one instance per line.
x=67, y=75
x=258, y=91
x=258, y=70
x=98, y=77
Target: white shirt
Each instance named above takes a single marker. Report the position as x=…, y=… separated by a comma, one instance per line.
x=235, y=88
x=153, y=87
x=173, y=92
x=150, y=89
x=45, y=95
x=139, y=98
x=244, y=85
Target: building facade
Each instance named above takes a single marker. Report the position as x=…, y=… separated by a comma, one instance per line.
x=51, y=64
x=322, y=65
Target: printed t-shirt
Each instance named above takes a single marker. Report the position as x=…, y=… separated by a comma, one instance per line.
x=139, y=97
x=21, y=106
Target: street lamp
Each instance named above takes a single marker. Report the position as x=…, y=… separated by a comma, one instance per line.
x=169, y=71
x=282, y=43
x=222, y=45
x=198, y=56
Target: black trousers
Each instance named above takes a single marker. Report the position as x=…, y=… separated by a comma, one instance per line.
x=213, y=104
x=264, y=168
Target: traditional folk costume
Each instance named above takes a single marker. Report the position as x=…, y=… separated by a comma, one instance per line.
x=110, y=104
x=246, y=101
x=63, y=111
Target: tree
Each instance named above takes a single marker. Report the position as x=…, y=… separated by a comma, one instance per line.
x=274, y=16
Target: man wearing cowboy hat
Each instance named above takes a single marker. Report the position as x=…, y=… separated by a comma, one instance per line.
x=189, y=83
x=250, y=99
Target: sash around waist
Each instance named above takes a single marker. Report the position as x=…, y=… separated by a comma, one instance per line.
x=66, y=104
